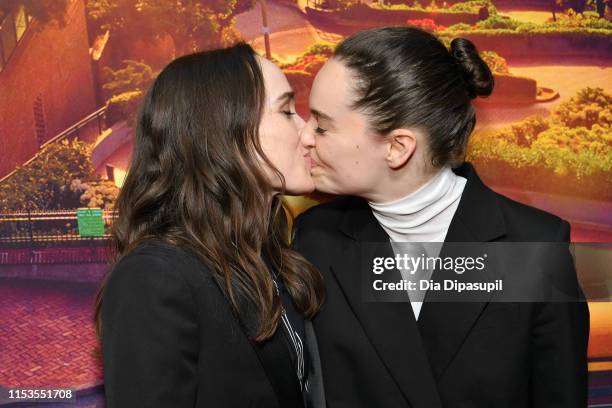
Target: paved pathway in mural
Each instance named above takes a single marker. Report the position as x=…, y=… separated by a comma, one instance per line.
x=46, y=335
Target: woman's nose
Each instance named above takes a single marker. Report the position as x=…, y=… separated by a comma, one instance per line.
x=306, y=137
x=300, y=122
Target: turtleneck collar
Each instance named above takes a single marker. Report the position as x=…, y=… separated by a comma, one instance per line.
x=425, y=214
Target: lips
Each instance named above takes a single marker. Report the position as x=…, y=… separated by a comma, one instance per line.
x=309, y=161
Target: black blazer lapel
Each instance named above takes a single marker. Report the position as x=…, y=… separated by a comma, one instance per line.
x=315, y=396
x=390, y=326
x=274, y=356
x=445, y=325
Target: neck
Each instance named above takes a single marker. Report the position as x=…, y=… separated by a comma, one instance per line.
x=423, y=214
x=401, y=183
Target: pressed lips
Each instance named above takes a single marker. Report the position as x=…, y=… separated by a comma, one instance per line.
x=309, y=161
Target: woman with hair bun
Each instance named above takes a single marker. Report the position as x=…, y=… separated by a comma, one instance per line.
x=391, y=114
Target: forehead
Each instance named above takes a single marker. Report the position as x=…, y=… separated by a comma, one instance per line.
x=330, y=88
x=275, y=80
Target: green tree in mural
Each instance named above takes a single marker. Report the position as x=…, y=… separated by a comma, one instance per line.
x=590, y=106
x=192, y=25
x=124, y=90
x=133, y=76
x=244, y=5
x=579, y=6
x=44, y=183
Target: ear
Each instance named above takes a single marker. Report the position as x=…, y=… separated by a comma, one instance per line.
x=402, y=144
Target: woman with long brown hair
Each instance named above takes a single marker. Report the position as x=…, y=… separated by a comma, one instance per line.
x=206, y=304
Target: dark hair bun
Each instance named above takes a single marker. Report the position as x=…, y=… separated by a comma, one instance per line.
x=475, y=71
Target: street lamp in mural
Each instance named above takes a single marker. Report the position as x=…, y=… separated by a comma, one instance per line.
x=265, y=28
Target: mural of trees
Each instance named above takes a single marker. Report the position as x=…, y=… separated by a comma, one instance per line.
x=192, y=25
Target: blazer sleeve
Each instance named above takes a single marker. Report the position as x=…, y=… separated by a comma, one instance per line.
x=560, y=336
x=149, y=335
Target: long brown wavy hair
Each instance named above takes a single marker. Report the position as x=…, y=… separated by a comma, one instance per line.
x=197, y=181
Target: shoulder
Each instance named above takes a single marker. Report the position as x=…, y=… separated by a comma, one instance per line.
x=158, y=253
x=528, y=223
x=522, y=222
x=156, y=266
x=327, y=214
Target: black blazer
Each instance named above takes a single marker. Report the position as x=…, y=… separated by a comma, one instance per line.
x=477, y=354
x=169, y=339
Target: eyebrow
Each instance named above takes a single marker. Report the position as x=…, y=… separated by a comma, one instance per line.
x=321, y=115
x=287, y=96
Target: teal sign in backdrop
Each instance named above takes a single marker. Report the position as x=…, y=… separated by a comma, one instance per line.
x=90, y=222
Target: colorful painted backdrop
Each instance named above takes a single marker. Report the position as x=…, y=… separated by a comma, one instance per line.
x=72, y=73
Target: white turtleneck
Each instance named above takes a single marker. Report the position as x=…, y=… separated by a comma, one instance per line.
x=423, y=215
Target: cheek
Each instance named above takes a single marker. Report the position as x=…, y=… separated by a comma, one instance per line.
x=290, y=144
x=281, y=145
x=327, y=151
x=338, y=156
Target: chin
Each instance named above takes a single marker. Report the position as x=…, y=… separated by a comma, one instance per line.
x=323, y=187
x=300, y=189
